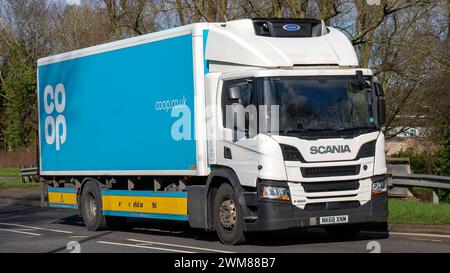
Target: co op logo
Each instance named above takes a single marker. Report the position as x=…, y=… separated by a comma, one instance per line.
x=55, y=128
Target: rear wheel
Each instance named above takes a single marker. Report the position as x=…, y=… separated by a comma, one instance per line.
x=91, y=209
x=343, y=232
x=227, y=216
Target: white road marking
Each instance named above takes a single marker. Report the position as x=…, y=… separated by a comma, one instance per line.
x=392, y=233
x=141, y=246
x=38, y=228
x=420, y=234
x=408, y=234
x=427, y=240
x=21, y=232
x=24, y=229
x=181, y=246
x=78, y=236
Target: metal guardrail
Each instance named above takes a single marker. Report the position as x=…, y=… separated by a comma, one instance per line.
x=421, y=180
x=28, y=173
x=434, y=182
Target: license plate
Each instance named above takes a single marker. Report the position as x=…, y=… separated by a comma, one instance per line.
x=333, y=220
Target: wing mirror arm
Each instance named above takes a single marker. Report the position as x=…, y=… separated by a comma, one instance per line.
x=234, y=95
x=379, y=91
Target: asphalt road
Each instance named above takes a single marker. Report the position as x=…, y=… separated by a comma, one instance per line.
x=33, y=229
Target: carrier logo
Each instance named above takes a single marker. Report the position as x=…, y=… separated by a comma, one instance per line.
x=55, y=123
x=336, y=149
x=292, y=27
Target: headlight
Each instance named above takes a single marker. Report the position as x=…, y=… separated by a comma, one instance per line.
x=379, y=187
x=274, y=193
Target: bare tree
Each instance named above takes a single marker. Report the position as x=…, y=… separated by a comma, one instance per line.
x=131, y=17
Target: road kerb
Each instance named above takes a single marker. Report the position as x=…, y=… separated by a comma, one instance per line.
x=429, y=229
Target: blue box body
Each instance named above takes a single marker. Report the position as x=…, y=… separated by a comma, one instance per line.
x=112, y=124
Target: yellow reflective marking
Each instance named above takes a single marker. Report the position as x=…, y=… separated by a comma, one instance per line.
x=145, y=204
x=62, y=198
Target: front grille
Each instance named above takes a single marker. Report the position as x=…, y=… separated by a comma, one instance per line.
x=333, y=205
x=330, y=171
x=331, y=186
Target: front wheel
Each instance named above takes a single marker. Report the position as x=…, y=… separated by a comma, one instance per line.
x=227, y=216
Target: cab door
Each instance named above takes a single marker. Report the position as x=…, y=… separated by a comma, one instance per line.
x=238, y=133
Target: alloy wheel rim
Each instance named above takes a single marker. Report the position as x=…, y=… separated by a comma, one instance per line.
x=227, y=213
x=92, y=206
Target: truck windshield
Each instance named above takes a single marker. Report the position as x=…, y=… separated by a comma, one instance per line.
x=336, y=103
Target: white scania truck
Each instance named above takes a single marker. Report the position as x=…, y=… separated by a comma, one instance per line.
x=148, y=127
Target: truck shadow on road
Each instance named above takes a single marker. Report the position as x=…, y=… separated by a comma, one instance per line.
x=19, y=214
x=307, y=236
x=74, y=220
x=273, y=238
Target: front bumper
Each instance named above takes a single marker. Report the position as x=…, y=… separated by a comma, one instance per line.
x=267, y=215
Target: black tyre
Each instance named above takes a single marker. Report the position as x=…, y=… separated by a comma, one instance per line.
x=91, y=207
x=227, y=216
x=344, y=232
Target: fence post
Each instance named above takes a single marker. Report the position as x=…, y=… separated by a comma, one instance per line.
x=43, y=186
x=435, y=197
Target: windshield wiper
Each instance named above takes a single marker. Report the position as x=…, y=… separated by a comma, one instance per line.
x=356, y=128
x=286, y=132
x=293, y=131
x=307, y=130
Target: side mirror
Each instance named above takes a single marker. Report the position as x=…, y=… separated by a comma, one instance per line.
x=381, y=109
x=234, y=95
x=379, y=91
x=361, y=82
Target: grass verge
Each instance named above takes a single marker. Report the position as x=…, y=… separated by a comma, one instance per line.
x=420, y=213
x=9, y=172
x=16, y=183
